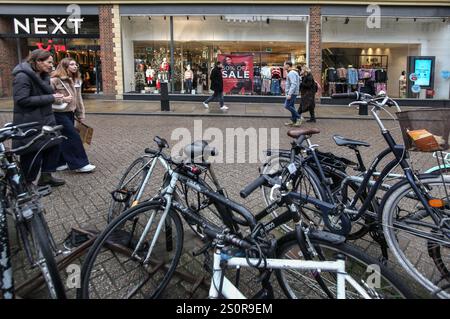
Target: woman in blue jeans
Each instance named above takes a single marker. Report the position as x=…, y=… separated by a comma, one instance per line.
x=67, y=81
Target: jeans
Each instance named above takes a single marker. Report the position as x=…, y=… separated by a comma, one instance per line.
x=72, y=149
x=290, y=106
x=188, y=84
x=218, y=94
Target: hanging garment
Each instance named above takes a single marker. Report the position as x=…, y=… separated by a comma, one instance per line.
x=283, y=86
x=342, y=73
x=275, y=87
x=331, y=88
x=380, y=75
x=331, y=75
x=266, y=72
x=380, y=87
x=266, y=86
x=352, y=76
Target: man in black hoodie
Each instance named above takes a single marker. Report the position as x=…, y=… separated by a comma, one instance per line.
x=33, y=99
x=217, y=86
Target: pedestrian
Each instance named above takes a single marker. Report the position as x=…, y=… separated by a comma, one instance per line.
x=292, y=90
x=308, y=89
x=33, y=98
x=216, y=86
x=67, y=80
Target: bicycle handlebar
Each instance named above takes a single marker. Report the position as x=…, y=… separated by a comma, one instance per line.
x=46, y=130
x=352, y=95
x=252, y=186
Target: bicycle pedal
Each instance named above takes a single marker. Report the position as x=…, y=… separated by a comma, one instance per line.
x=44, y=190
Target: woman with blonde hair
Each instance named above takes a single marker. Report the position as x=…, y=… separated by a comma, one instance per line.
x=308, y=89
x=67, y=81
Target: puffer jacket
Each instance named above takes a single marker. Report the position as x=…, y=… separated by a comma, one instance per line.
x=69, y=88
x=33, y=98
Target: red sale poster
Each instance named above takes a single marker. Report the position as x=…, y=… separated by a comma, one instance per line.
x=237, y=73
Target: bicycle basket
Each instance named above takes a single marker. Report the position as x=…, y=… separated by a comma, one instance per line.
x=432, y=128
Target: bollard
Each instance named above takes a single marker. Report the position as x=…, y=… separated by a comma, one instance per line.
x=165, y=105
x=363, y=110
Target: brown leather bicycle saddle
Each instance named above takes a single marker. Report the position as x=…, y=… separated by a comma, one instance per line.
x=297, y=132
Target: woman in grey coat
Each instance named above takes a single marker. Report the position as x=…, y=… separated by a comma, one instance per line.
x=33, y=99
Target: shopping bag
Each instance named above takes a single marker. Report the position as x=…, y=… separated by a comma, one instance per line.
x=85, y=131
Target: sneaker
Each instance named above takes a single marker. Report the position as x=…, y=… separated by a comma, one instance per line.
x=224, y=108
x=311, y=121
x=206, y=106
x=86, y=169
x=62, y=168
x=289, y=123
x=297, y=123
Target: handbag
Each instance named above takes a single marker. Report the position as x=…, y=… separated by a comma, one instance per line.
x=62, y=106
x=85, y=132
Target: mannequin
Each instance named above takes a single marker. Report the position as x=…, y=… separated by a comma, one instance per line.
x=165, y=70
x=150, y=76
x=402, y=85
x=188, y=78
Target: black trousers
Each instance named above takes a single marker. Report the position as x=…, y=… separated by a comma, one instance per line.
x=32, y=163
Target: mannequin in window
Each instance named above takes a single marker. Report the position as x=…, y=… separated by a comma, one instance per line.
x=150, y=76
x=402, y=85
x=165, y=70
x=188, y=78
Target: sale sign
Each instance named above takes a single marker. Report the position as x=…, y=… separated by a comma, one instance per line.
x=237, y=73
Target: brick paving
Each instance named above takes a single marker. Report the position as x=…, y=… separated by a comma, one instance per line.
x=118, y=140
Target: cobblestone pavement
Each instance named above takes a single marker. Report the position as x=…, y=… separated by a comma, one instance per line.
x=118, y=140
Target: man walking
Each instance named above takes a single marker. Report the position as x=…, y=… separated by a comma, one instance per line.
x=292, y=90
x=216, y=86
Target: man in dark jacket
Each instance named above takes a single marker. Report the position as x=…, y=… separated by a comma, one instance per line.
x=33, y=99
x=217, y=86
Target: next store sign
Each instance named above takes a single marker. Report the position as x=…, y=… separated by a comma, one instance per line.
x=42, y=25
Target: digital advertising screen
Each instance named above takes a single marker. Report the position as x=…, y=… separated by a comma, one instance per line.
x=423, y=68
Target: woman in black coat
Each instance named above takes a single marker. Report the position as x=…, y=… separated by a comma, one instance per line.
x=308, y=91
x=33, y=99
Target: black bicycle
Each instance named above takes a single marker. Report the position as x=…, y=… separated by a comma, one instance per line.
x=414, y=210
x=21, y=201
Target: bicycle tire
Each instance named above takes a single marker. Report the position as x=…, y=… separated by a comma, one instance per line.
x=404, y=248
x=131, y=182
x=114, y=245
x=361, y=262
x=46, y=259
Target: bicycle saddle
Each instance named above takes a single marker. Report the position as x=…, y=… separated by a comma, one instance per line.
x=199, y=151
x=342, y=141
x=297, y=132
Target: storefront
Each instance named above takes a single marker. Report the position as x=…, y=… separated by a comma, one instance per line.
x=75, y=36
x=252, y=48
x=127, y=50
x=403, y=52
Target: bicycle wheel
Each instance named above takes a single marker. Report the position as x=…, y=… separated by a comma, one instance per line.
x=118, y=267
x=45, y=258
x=308, y=183
x=131, y=183
x=371, y=275
x=420, y=246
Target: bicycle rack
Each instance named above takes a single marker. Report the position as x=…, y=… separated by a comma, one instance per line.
x=36, y=280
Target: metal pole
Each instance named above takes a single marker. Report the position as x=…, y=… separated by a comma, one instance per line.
x=172, y=60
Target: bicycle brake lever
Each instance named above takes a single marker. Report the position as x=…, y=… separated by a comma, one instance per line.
x=272, y=190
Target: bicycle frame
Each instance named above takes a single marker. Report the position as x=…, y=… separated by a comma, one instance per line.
x=230, y=291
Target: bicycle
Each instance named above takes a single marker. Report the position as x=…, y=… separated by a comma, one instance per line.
x=142, y=246
x=415, y=190
x=22, y=202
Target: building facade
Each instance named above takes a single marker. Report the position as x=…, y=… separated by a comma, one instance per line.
x=126, y=50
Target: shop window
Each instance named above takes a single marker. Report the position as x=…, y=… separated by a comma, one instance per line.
x=257, y=47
